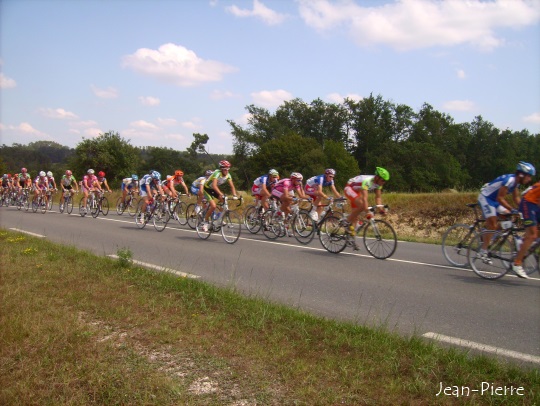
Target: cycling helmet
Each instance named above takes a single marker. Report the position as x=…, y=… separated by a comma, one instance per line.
x=101, y=174
x=9, y=175
x=49, y=174
x=224, y=164
x=296, y=176
x=90, y=172
x=273, y=172
x=5, y=176
x=208, y=172
x=382, y=173
x=68, y=173
x=42, y=174
x=156, y=175
x=330, y=171
x=178, y=172
x=134, y=177
x=526, y=168
x=24, y=170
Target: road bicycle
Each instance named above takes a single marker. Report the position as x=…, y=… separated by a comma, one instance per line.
x=224, y=219
x=501, y=251
x=50, y=196
x=5, y=197
x=275, y=224
x=130, y=205
x=23, y=201
x=379, y=237
x=457, y=238
x=96, y=203
x=192, y=210
x=67, y=204
x=39, y=203
x=253, y=214
x=304, y=227
x=156, y=210
x=177, y=208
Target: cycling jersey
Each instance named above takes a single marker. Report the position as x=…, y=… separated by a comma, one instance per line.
x=312, y=184
x=197, y=184
x=530, y=206
x=279, y=188
x=129, y=183
x=533, y=194
x=260, y=181
x=491, y=189
x=50, y=181
x=221, y=179
x=363, y=182
x=41, y=183
x=88, y=181
x=24, y=178
x=171, y=181
x=66, y=182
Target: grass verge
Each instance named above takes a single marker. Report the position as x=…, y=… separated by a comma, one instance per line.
x=80, y=329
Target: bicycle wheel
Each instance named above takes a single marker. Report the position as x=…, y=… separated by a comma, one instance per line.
x=35, y=204
x=120, y=206
x=94, y=208
x=68, y=204
x=231, y=226
x=82, y=209
x=496, y=262
x=141, y=217
x=180, y=213
x=303, y=227
x=191, y=216
x=50, y=203
x=160, y=217
x=26, y=203
x=43, y=206
x=332, y=235
x=455, y=243
x=271, y=224
x=380, y=239
x=252, y=219
x=131, y=205
x=104, y=206
x=201, y=232
x=530, y=262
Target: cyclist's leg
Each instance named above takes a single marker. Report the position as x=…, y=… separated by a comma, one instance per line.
x=531, y=217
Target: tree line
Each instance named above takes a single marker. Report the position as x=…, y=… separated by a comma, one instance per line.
x=424, y=150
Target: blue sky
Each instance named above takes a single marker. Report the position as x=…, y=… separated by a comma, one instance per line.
x=158, y=71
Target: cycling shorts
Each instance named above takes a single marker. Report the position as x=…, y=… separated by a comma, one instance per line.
x=312, y=191
x=129, y=187
x=210, y=193
x=352, y=195
x=194, y=190
x=531, y=213
x=490, y=208
x=278, y=193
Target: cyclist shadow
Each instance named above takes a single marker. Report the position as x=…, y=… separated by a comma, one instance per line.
x=506, y=281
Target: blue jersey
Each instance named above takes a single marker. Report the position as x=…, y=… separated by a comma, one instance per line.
x=264, y=180
x=491, y=189
x=319, y=180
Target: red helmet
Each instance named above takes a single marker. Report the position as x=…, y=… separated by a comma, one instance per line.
x=101, y=174
x=68, y=173
x=224, y=164
x=178, y=172
x=9, y=175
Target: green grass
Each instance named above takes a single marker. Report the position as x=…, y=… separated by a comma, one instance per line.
x=80, y=329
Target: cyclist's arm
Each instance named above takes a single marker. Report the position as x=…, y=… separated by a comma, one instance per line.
x=233, y=190
x=378, y=197
x=503, y=191
x=185, y=187
x=334, y=191
x=516, y=197
x=216, y=188
x=107, y=185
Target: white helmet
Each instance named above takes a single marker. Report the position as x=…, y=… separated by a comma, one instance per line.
x=90, y=172
x=49, y=174
x=42, y=174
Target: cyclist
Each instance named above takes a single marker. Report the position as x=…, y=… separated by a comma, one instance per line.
x=357, y=189
x=529, y=206
x=66, y=184
x=129, y=184
x=197, y=188
x=89, y=184
x=262, y=187
x=25, y=180
x=285, y=189
x=314, y=189
x=492, y=198
x=41, y=184
x=150, y=185
x=52, y=182
x=171, y=181
x=102, y=180
x=6, y=184
x=212, y=191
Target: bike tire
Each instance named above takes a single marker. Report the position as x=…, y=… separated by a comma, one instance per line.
x=531, y=262
x=26, y=203
x=231, y=226
x=199, y=227
x=332, y=235
x=104, y=206
x=82, y=209
x=500, y=254
x=455, y=244
x=252, y=219
x=303, y=227
x=141, y=217
x=380, y=239
x=120, y=208
x=180, y=213
x=43, y=206
x=132, y=205
x=95, y=209
x=68, y=204
x=35, y=205
x=160, y=217
x=191, y=216
x=270, y=224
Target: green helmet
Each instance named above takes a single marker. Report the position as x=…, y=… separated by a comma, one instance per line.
x=382, y=173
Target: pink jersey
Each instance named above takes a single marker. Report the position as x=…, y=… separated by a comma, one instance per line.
x=286, y=183
x=89, y=180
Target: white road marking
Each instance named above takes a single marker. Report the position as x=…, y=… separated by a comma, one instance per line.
x=160, y=268
x=483, y=347
x=28, y=232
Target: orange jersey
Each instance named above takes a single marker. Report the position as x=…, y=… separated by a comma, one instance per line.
x=533, y=194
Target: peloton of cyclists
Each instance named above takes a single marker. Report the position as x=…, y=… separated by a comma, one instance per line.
x=314, y=189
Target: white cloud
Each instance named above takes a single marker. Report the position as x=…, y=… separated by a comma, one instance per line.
x=26, y=128
x=93, y=132
x=144, y=125
x=57, y=113
x=84, y=123
x=220, y=95
x=337, y=98
x=175, y=64
x=459, y=105
x=109, y=93
x=149, y=101
x=193, y=124
x=259, y=10
x=461, y=74
x=533, y=118
x=7, y=83
x=168, y=122
x=271, y=98
x=414, y=24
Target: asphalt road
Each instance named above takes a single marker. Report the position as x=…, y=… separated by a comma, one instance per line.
x=415, y=291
